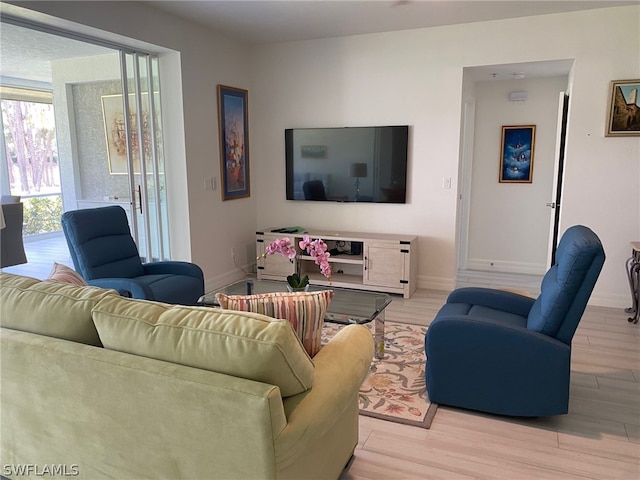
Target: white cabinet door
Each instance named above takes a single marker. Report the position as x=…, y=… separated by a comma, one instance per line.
x=384, y=265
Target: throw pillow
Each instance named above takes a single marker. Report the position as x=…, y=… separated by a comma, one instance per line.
x=305, y=311
x=241, y=344
x=62, y=273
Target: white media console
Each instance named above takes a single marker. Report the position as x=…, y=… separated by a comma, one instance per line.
x=365, y=261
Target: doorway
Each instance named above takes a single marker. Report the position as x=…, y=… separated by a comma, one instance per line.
x=108, y=147
x=504, y=229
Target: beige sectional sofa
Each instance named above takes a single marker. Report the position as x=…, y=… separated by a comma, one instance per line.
x=175, y=392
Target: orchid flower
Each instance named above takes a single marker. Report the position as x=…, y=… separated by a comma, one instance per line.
x=317, y=249
x=283, y=247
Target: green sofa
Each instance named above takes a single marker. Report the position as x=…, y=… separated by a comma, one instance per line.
x=102, y=386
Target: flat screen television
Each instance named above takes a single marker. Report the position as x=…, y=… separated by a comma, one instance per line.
x=350, y=164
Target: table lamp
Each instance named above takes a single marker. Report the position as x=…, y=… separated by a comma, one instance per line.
x=358, y=171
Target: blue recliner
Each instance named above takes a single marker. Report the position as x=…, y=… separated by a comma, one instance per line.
x=504, y=353
x=106, y=256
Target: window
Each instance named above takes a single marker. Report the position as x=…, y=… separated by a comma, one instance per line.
x=31, y=168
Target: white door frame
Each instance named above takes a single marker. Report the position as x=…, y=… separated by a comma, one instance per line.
x=464, y=181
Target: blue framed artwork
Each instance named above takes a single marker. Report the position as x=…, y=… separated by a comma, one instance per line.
x=233, y=122
x=516, y=154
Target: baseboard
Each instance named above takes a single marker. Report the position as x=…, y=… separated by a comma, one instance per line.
x=500, y=266
x=613, y=300
x=436, y=283
x=518, y=281
x=226, y=278
x=531, y=284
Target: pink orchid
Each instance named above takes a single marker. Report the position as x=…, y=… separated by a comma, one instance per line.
x=283, y=247
x=317, y=249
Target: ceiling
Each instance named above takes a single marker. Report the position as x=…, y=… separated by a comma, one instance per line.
x=269, y=21
x=26, y=54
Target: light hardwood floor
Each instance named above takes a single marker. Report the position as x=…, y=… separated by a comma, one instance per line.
x=598, y=439
x=41, y=253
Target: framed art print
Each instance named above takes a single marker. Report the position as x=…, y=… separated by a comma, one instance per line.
x=623, y=118
x=516, y=154
x=313, y=151
x=114, y=130
x=233, y=124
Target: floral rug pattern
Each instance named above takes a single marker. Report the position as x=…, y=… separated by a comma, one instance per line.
x=395, y=388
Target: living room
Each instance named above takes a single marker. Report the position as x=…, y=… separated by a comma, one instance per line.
x=413, y=77
x=351, y=81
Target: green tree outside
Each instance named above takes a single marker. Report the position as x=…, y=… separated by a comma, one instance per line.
x=32, y=161
x=42, y=214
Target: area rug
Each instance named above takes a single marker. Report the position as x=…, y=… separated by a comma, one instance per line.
x=395, y=388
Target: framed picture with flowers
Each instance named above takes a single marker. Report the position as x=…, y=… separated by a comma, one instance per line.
x=233, y=122
x=114, y=130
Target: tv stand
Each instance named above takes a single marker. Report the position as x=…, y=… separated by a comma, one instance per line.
x=364, y=261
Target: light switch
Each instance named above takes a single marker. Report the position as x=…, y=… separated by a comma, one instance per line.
x=209, y=183
x=446, y=182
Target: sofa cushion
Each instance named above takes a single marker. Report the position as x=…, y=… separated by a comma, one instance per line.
x=11, y=280
x=245, y=345
x=50, y=308
x=62, y=273
x=305, y=311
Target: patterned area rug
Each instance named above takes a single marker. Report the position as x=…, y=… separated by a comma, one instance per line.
x=395, y=388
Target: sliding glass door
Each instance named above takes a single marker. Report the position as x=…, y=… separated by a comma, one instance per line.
x=145, y=163
x=108, y=128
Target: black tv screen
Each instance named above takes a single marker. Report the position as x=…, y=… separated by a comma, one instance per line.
x=352, y=164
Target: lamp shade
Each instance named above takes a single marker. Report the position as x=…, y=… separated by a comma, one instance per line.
x=358, y=170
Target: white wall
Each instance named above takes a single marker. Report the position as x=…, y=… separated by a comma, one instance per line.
x=360, y=81
x=410, y=77
x=509, y=222
x=415, y=77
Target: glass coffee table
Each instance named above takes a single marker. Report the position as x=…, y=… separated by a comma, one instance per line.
x=348, y=305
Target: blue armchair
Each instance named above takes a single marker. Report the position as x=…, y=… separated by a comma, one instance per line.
x=504, y=353
x=106, y=256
